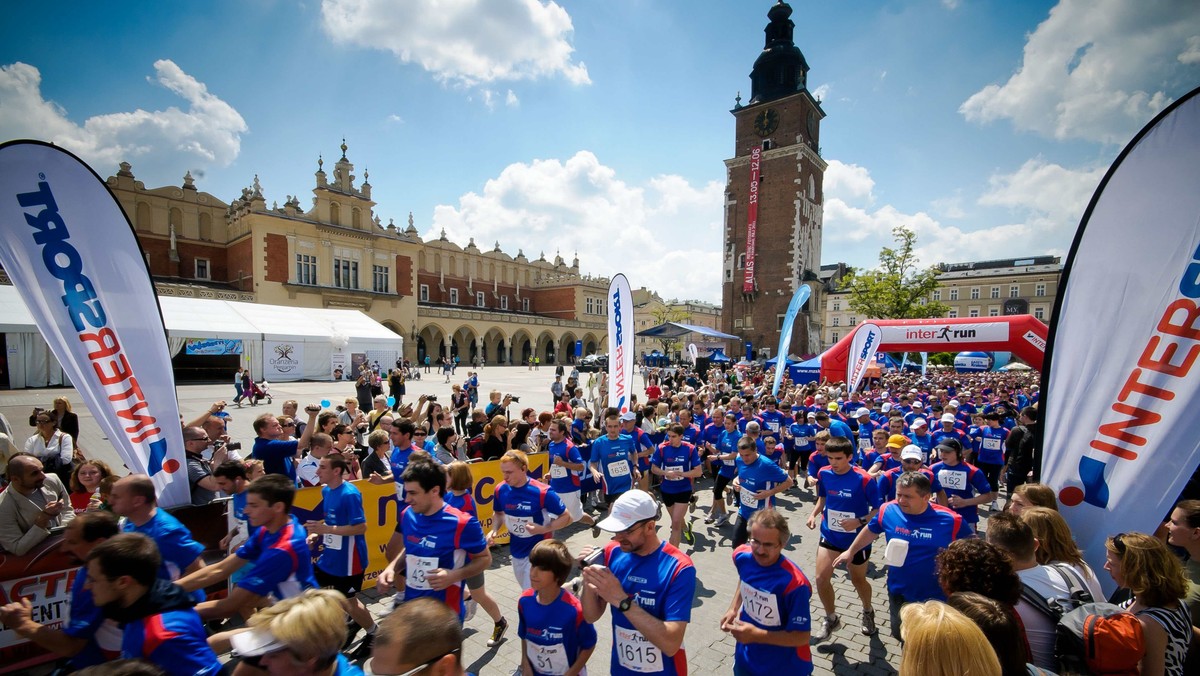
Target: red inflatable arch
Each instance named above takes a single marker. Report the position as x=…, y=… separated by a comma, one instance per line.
x=1023, y=335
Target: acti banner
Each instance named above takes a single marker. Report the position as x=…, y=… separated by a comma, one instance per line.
x=1121, y=435
x=620, y=343
x=867, y=339
x=283, y=360
x=72, y=255
x=752, y=219
x=785, y=336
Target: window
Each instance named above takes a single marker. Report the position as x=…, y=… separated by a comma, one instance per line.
x=345, y=273
x=973, y=312
x=993, y=312
x=1014, y=291
x=995, y=292
x=454, y=296
x=306, y=269
x=480, y=299
x=953, y=294
x=591, y=307
x=379, y=278
x=937, y=295
x=202, y=269
x=837, y=306
x=837, y=321
x=853, y=321
x=952, y=314
x=503, y=302
x=834, y=337
x=524, y=305
x=974, y=293
x=1039, y=313
x=1039, y=290
x=424, y=297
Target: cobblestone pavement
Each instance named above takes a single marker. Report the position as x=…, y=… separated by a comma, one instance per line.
x=709, y=650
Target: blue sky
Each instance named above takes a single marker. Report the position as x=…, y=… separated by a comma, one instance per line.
x=601, y=126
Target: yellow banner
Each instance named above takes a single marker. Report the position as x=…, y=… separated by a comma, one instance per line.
x=383, y=509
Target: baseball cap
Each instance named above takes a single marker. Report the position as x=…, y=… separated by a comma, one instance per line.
x=628, y=415
x=861, y=412
x=918, y=422
x=948, y=417
x=918, y=404
x=954, y=403
x=887, y=406
x=912, y=452
x=255, y=642
x=811, y=414
x=633, y=506
x=897, y=441
x=832, y=406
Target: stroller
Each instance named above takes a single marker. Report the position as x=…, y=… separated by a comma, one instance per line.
x=258, y=392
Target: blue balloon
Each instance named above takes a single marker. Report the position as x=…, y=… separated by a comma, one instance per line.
x=324, y=403
x=391, y=401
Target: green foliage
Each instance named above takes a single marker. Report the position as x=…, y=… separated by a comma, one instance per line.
x=898, y=288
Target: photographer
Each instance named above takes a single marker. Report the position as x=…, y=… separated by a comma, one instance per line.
x=497, y=405
x=279, y=457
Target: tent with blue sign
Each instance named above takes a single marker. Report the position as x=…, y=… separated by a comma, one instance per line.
x=808, y=371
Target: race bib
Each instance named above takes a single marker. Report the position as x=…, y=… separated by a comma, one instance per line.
x=865, y=444
x=636, y=653
x=834, y=518
x=547, y=659
x=991, y=443
x=730, y=462
x=518, y=525
x=761, y=606
x=953, y=480
x=673, y=468
x=748, y=499
x=418, y=569
x=620, y=468
x=333, y=541
x=773, y=426
x=558, y=471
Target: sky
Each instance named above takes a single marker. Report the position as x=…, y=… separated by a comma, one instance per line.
x=600, y=127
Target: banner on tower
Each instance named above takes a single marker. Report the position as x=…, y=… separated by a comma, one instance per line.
x=752, y=219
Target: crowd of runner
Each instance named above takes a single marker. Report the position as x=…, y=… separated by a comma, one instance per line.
x=982, y=572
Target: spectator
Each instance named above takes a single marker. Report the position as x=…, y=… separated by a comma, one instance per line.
x=158, y=623
x=33, y=503
x=54, y=448
x=279, y=456
x=376, y=467
x=1153, y=574
x=1055, y=545
x=497, y=438
x=1003, y=630
x=68, y=421
x=319, y=446
x=299, y=636
x=422, y=636
x=1183, y=530
x=200, y=478
x=980, y=567
x=85, y=482
x=87, y=638
x=940, y=641
x=1032, y=495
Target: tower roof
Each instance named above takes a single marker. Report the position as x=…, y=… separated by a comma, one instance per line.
x=781, y=69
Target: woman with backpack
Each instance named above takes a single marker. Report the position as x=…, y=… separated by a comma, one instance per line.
x=1055, y=545
x=1154, y=576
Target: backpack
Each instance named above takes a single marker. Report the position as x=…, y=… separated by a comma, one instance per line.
x=475, y=447
x=1100, y=639
x=1055, y=607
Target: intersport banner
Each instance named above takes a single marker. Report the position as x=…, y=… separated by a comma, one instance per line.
x=72, y=255
x=1121, y=435
x=785, y=335
x=620, y=343
x=866, y=342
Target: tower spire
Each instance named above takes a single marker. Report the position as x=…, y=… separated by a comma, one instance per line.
x=781, y=69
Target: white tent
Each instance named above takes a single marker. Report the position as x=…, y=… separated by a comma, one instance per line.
x=280, y=343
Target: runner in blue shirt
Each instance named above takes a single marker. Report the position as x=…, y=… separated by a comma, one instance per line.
x=817, y=461
x=916, y=531
x=771, y=420
x=650, y=586
x=866, y=432
x=710, y=436
x=613, y=460
x=846, y=500
x=836, y=428
x=529, y=509
x=279, y=457
x=921, y=438
x=769, y=615
x=342, y=535
x=401, y=436
x=555, y=638
x=993, y=450
x=803, y=434
x=678, y=463
x=965, y=486
x=278, y=550
x=878, y=449
x=566, y=466
x=642, y=443
x=758, y=481
x=726, y=459
x=891, y=459
x=910, y=461
x=134, y=497
x=949, y=430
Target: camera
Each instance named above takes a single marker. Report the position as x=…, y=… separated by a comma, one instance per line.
x=431, y=397
x=592, y=559
x=514, y=398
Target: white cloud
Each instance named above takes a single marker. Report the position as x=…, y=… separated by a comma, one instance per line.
x=208, y=133
x=821, y=92
x=466, y=42
x=950, y=4
x=511, y=99
x=1044, y=200
x=849, y=182
x=664, y=234
x=395, y=119
x=1097, y=71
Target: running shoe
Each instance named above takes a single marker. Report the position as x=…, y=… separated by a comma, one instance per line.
x=498, y=632
x=828, y=626
x=868, y=622
x=472, y=606
x=688, y=536
x=712, y=517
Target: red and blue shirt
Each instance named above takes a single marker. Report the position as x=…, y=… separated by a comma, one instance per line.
x=761, y=475
x=682, y=458
x=554, y=634
x=175, y=641
x=964, y=481
x=912, y=565
x=564, y=480
x=343, y=555
x=442, y=540
x=282, y=562
x=663, y=584
x=535, y=503
x=774, y=598
x=847, y=496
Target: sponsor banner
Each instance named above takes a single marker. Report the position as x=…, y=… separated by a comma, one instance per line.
x=283, y=360
x=382, y=509
x=972, y=362
x=862, y=353
x=1035, y=340
x=785, y=335
x=71, y=254
x=212, y=346
x=1120, y=433
x=752, y=219
x=982, y=332
x=337, y=366
x=620, y=343
x=44, y=576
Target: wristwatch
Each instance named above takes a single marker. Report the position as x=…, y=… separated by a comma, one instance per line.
x=625, y=604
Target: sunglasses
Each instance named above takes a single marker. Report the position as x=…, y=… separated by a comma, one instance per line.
x=420, y=434
x=1119, y=543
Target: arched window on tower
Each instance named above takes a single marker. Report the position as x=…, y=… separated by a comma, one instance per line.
x=335, y=213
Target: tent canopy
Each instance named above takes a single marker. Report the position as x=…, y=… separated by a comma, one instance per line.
x=679, y=329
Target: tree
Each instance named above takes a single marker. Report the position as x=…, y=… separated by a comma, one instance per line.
x=665, y=313
x=899, y=288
